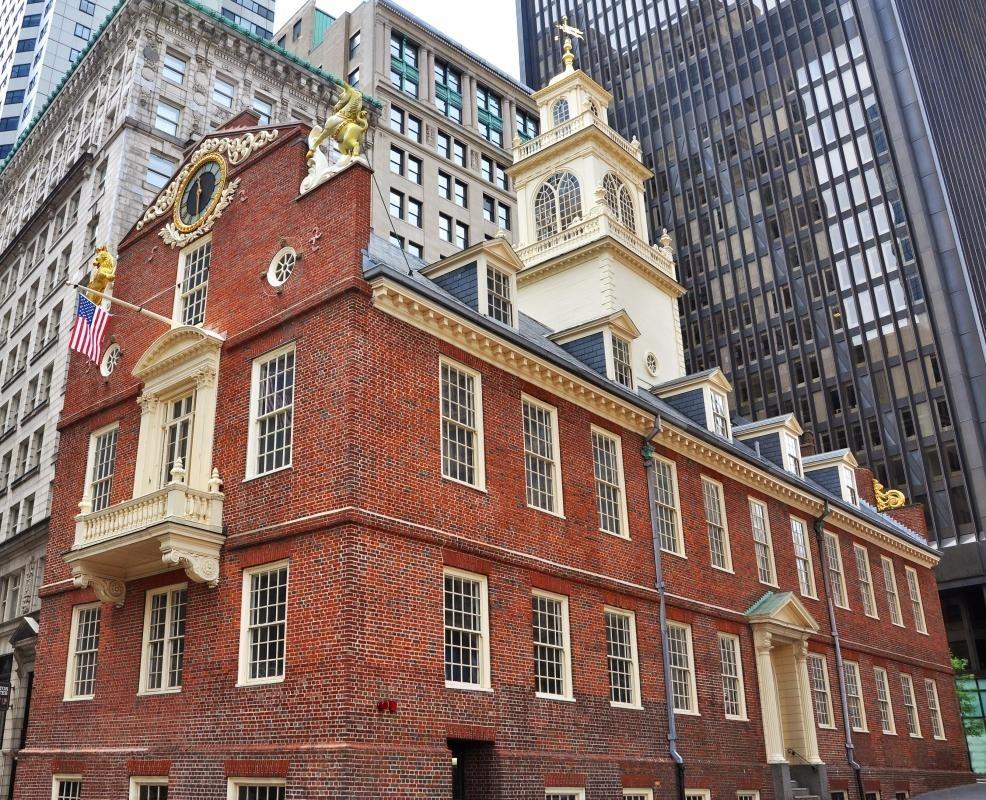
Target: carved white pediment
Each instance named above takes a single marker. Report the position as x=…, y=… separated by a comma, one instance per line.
x=185, y=351
x=783, y=609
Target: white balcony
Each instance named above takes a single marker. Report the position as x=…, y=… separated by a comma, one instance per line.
x=175, y=526
x=565, y=129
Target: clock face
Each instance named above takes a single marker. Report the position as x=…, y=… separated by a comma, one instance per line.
x=200, y=193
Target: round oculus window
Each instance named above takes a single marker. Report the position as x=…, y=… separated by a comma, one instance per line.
x=111, y=357
x=281, y=266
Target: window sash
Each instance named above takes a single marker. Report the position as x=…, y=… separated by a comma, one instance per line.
x=540, y=457
x=622, y=368
x=761, y=542
x=164, y=645
x=833, y=558
x=890, y=586
x=67, y=789
x=910, y=706
x=103, y=468
x=818, y=677
x=682, y=668
x=551, y=657
x=917, y=605
x=937, y=726
x=720, y=422
x=274, y=411
x=715, y=520
x=865, y=580
x=461, y=420
x=621, y=658
x=266, y=622
x=195, y=284
x=883, y=703
x=731, y=670
x=499, y=302
x=177, y=435
x=854, y=697
x=465, y=626
x=666, y=507
x=607, y=469
x=85, y=651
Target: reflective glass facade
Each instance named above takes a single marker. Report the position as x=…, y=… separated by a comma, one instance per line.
x=786, y=178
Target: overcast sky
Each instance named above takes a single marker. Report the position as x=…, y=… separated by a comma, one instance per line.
x=487, y=27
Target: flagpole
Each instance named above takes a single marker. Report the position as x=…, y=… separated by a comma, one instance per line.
x=139, y=309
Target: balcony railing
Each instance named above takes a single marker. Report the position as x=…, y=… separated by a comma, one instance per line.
x=173, y=526
x=562, y=131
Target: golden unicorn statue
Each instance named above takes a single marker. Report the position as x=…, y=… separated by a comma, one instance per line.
x=346, y=125
x=103, y=274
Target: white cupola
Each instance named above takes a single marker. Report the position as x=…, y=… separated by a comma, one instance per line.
x=582, y=232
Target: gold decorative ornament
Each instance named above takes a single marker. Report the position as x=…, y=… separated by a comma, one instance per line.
x=104, y=271
x=888, y=498
x=346, y=125
x=568, y=57
x=199, y=193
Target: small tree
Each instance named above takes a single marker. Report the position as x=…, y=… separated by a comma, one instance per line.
x=967, y=691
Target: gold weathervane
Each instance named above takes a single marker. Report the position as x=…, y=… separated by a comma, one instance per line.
x=346, y=125
x=104, y=272
x=888, y=498
x=568, y=57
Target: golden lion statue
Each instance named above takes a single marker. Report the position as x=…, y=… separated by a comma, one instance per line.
x=104, y=272
x=346, y=125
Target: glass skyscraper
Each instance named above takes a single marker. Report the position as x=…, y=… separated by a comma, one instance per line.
x=801, y=173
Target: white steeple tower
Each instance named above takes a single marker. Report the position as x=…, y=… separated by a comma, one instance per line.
x=582, y=229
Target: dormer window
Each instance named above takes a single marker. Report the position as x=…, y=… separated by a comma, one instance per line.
x=720, y=419
x=622, y=369
x=499, y=304
x=560, y=111
x=849, y=493
x=792, y=455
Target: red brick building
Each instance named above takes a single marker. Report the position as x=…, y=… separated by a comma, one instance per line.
x=354, y=527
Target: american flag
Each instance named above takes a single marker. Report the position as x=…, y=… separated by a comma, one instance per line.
x=87, y=333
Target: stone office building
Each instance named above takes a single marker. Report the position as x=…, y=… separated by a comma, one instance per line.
x=466, y=530
x=441, y=161
x=158, y=75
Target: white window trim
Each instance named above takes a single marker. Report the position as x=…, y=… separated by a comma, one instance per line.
x=856, y=549
x=893, y=577
x=233, y=784
x=890, y=700
x=485, y=683
x=91, y=456
x=243, y=673
x=754, y=794
x=145, y=636
x=706, y=794
x=847, y=481
x=70, y=666
x=59, y=778
x=725, y=526
x=842, y=569
x=811, y=560
x=566, y=644
x=180, y=277
x=647, y=794
x=609, y=356
x=908, y=572
x=930, y=683
x=145, y=780
x=789, y=465
x=692, y=681
x=559, y=492
x=744, y=714
x=860, y=695
x=909, y=680
x=482, y=286
x=624, y=522
x=828, y=694
x=679, y=532
x=636, y=704
x=710, y=414
x=253, y=438
x=770, y=541
x=578, y=792
x=480, y=431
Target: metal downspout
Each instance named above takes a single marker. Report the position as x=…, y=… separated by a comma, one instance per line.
x=818, y=524
x=647, y=451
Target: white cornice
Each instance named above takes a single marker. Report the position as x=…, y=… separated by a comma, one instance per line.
x=407, y=305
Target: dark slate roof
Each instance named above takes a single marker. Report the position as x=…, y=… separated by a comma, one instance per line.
x=383, y=259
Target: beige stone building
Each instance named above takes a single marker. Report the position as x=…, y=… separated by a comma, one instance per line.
x=447, y=129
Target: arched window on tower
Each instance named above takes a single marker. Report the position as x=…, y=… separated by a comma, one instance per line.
x=560, y=112
x=557, y=204
x=620, y=201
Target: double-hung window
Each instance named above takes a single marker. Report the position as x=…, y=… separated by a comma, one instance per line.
x=666, y=507
x=499, y=303
x=462, y=424
x=890, y=586
x=622, y=369
x=802, y=558
x=64, y=787
x=80, y=677
x=527, y=126
x=621, y=655
x=833, y=558
x=542, y=470
x=731, y=668
x=761, y=542
x=607, y=465
x=10, y=595
x=934, y=708
x=173, y=68
x=164, y=640
x=489, y=115
x=910, y=706
x=854, y=696
x=223, y=92
x=166, y=118
x=448, y=90
x=159, y=171
x=715, y=521
x=917, y=606
x=263, y=625
x=256, y=789
x=404, y=64
x=265, y=108
x=272, y=409
x=180, y=414
x=720, y=417
x=865, y=581
x=102, y=466
x=883, y=703
x=683, y=692
x=792, y=454
x=818, y=677
x=552, y=650
x=467, y=646
x=194, y=285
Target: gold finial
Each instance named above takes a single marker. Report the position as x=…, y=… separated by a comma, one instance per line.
x=887, y=498
x=568, y=57
x=103, y=274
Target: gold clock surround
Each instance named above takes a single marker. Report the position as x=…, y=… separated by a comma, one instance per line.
x=216, y=194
